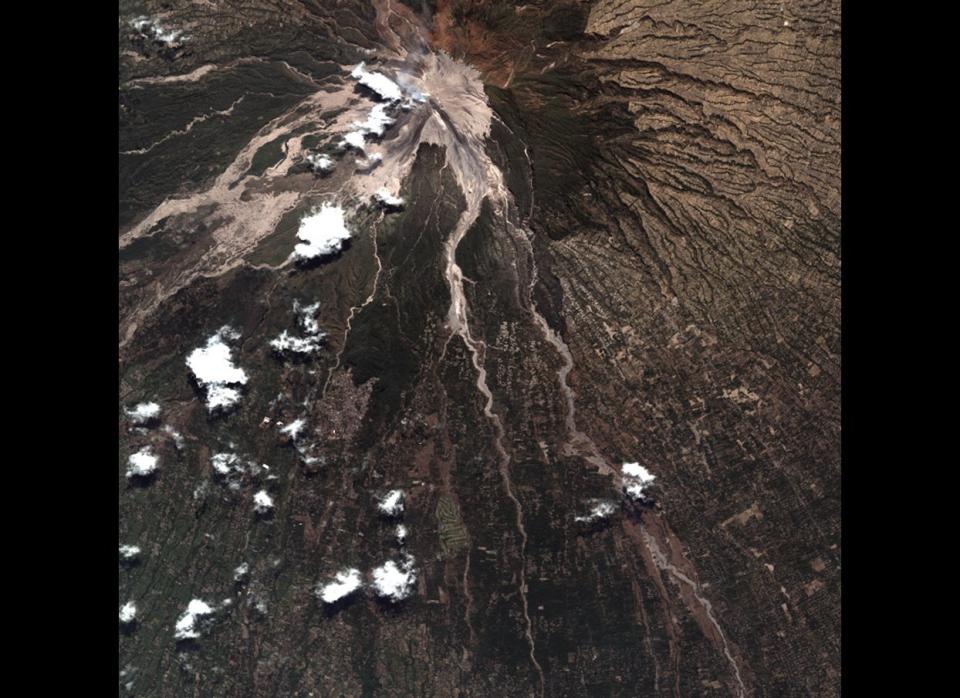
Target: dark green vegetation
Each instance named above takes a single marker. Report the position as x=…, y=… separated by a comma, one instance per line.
x=391, y=336
x=565, y=23
x=268, y=156
x=491, y=17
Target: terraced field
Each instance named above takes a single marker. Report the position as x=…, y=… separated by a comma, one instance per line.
x=453, y=535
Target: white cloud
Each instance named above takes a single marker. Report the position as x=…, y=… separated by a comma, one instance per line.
x=187, y=625
x=635, y=470
x=401, y=534
x=200, y=491
x=227, y=464
x=319, y=162
x=128, y=612
x=345, y=583
x=378, y=82
x=221, y=397
x=377, y=121
x=599, y=509
x=262, y=502
x=413, y=92
x=168, y=36
x=128, y=672
x=306, y=317
x=151, y=29
x=129, y=552
x=322, y=233
x=355, y=140
x=144, y=413
x=391, y=504
x=636, y=479
x=395, y=581
x=369, y=162
x=260, y=604
x=142, y=463
x=388, y=199
x=306, y=458
x=287, y=343
x=177, y=437
x=241, y=572
x=212, y=366
x=294, y=428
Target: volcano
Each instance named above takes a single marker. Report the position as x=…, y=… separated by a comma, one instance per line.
x=565, y=275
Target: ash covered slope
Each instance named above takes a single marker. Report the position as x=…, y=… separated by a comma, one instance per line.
x=612, y=236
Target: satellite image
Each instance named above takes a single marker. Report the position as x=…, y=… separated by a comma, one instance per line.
x=479, y=348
